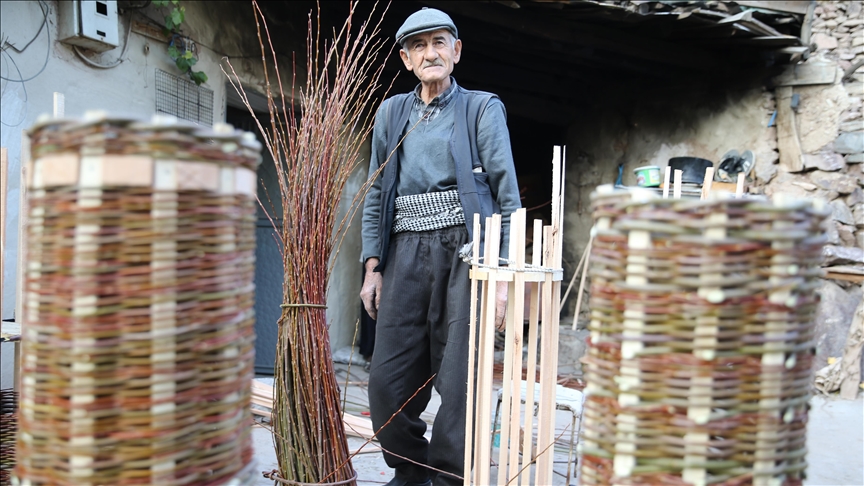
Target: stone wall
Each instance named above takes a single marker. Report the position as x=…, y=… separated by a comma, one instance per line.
x=831, y=133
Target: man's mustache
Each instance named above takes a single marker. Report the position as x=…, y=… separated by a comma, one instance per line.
x=433, y=63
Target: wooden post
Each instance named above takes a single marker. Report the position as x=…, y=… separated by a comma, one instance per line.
x=22, y=230
x=706, y=183
x=4, y=178
x=677, y=190
x=487, y=349
x=788, y=142
x=59, y=105
x=582, y=280
x=666, y=182
x=531, y=376
x=739, y=187
x=517, y=318
x=472, y=354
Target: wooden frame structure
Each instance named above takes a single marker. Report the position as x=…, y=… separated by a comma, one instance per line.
x=542, y=278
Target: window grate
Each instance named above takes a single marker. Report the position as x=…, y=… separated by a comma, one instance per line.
x=183, y=99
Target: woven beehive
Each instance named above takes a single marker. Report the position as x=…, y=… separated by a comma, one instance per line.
x=8, y=420
x=138, y=339
x=699, y=363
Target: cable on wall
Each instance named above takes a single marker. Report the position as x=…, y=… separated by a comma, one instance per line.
x=114, y=64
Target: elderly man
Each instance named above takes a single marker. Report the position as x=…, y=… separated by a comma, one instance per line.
x=445, y=153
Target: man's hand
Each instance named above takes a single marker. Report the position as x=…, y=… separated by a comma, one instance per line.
x=500, y=305
x=370, y=294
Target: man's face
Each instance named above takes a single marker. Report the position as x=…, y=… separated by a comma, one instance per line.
x=431, y=55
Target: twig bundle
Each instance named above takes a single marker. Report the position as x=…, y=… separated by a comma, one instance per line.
x=314, y=152
x=8, y=427
x=699, y=366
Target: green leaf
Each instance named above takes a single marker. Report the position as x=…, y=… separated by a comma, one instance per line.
x=159, y=3
x=173, y=52
x=182, y=64
x=192, y=61
x=187, y=55
x=199, y=77
x=169, y=23
x=177, y=17
x=175, y=2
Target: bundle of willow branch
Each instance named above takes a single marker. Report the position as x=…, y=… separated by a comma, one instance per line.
x=8, y=426
x=314, y=152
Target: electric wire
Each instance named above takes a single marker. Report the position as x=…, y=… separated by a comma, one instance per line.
x=114, y=64
x=47, y=52
x=24, y=86
x=44, y=21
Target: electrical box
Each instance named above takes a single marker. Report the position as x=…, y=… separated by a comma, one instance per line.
x=89, y=23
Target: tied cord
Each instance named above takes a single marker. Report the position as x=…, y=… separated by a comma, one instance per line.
x=314, y=306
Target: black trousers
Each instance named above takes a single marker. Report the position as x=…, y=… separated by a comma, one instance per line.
x=422, y=330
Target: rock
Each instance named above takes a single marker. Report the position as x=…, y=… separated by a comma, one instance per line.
x=858, y=215
x=841, y=212
x=857, y=41
x=834, y=181
x=766, y=167
x=853, y=10
x=856, y=197
x=571, y=348
x=855, y=89
x=841, y=255
x=852, y=22
x=859, y=240
x=850, y=143
x=852, y=126
x=825, y=161
x=846, y=234
x=833, y=317
x=823, y=41
x=805, y=185
x=832, y=233
x=854, y=158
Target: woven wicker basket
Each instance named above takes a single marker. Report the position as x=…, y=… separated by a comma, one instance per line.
x=138, y=329
x=699, y=364
x=8, y=426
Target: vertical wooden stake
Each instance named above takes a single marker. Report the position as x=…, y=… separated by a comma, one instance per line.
x=518, y=319
x=472, y=354
x=23, y=212
x=739, y=187
x=487, y=340
x=706, y=183
x=677, y=191
x=531, y=376
x=4, y=178
x=582, y=282
x=482, y=351
x=666, y=182
x=59, y=105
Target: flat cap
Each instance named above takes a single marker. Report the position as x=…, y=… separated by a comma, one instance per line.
x=425, y=20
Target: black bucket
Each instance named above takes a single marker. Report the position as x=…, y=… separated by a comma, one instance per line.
x=693, y=168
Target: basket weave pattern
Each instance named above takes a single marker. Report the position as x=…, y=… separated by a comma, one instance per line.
x=138, y=341
x=699, y=362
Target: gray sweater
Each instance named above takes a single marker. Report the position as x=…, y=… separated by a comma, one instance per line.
x=426, y=163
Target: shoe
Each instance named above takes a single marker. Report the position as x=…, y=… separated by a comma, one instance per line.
x=727, y=163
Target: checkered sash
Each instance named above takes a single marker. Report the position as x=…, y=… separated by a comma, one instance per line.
x=426, y=212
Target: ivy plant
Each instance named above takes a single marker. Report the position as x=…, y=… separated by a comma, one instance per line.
x=178, y=50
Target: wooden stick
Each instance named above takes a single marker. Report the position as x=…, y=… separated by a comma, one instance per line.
x=573, y=278
x=582, y=284
x=472, y=345
x=739, y=188
x=545, y=415
x=706, y=183
x=487, y=340
x=22, y=230
x=517, y=318
x=4, y=170
x=531, y=378
x=666, y=182
x=59, y=105
x=676, y=193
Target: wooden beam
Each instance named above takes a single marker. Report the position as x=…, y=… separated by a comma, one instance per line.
x=807, y=23
x=787, y=132
x=807, y=74
x=615, y=41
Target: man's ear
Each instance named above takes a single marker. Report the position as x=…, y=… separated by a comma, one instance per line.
x=406, y=59
x=457, y=48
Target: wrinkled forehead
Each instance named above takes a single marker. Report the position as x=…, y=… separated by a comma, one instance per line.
x=428, y=37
